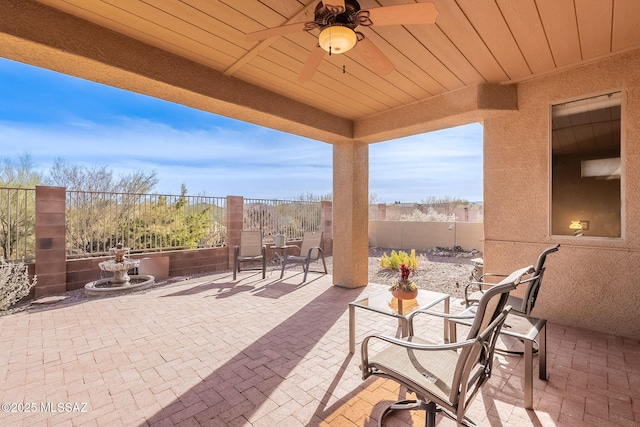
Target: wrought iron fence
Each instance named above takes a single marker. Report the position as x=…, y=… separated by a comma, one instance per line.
x=17, y=224
x=289, y=217
x=97, y=221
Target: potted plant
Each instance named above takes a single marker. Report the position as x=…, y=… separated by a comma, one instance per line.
x=404, y=288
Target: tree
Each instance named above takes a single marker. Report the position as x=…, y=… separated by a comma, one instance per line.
x=19, y=173
x=444, y=205
x=17, y=207
x=99, y=178
x=171, y=225
x=310, y=197
x=96, y=221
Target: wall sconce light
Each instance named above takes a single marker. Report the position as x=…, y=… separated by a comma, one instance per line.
x=576, y=226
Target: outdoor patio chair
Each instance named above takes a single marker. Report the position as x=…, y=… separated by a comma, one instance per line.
x=310, y=250
x=444, y=377
x=522, y=306
x=251, y=249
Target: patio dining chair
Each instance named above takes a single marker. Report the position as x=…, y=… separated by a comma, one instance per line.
x=251, y=249
x=444, y=377
x=310, y=250
x=521, y=306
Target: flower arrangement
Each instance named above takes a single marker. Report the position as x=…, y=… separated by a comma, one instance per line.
x=404, y=284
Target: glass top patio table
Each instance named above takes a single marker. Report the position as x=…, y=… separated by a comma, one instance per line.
x=385, y=303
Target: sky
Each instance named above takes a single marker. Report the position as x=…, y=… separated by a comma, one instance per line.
x=52, y=116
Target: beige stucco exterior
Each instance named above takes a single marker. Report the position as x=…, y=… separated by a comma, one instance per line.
x=422, y=235
x=590, y=282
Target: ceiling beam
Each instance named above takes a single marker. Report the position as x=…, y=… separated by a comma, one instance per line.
x=463, y=106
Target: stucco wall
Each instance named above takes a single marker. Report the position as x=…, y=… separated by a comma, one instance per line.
x=420, y=235
x=590, y=282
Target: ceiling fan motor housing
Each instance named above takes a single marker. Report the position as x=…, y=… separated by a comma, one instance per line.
x=350, y=16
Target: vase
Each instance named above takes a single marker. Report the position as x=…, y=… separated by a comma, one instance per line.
x=402, y=294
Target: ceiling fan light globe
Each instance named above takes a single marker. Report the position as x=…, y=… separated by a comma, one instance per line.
x=337, y=39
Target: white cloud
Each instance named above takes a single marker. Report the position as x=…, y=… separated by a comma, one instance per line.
x=253, y=161
x=443, y=163
x=217, y=161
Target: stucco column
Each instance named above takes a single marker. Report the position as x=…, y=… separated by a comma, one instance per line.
x=350, y=215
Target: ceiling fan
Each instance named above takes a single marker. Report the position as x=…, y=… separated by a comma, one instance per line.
x=337, y=21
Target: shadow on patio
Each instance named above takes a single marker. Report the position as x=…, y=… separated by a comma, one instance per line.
x=209, y=351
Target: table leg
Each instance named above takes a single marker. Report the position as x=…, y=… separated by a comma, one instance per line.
x=542, y=352
x=446, y=326
x=404, y=327
x=528, y=374
x=453, y=332
x=352, y=329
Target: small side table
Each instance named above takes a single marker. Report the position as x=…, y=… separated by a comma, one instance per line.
x=281, y=252
x=385, y=303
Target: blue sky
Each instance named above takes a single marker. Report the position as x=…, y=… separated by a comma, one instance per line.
x=49, y=115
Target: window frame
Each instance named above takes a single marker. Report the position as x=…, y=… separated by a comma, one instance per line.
x=623, y=160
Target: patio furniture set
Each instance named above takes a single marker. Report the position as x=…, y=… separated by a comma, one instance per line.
x=445, y=377
x=251, y=249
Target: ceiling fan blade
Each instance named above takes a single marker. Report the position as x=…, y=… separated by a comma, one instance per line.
x=377, y=61
x=404, y=14
x=334, y=3
x=312, y=64
x=275, y=31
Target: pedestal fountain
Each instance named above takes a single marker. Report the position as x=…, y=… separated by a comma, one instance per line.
x=121, y=282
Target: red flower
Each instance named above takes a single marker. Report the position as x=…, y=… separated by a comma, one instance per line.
x=405, y=271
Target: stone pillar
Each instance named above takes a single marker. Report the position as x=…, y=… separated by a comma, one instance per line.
x=51, y=258
x=350, y=209
x=235, y=215
x=382, y=211
x=326, y=225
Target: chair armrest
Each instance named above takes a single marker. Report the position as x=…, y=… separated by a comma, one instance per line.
x=480, y=284
x=320, y=252
x=447, y=316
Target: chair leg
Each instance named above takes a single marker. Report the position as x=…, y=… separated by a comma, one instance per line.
x=430, y=408
x=305, y=267
x=236, y=266
x=284, y=263
x=430, y=420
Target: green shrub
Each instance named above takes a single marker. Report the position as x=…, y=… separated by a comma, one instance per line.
x=396, y=259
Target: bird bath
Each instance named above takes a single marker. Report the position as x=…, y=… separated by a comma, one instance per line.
x=121, y=282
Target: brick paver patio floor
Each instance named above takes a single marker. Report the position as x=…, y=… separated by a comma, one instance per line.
x=212, y=352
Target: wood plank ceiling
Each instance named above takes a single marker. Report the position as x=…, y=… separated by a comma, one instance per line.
x=472, y=42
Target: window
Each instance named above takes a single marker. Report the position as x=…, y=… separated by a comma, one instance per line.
x=586, y=167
